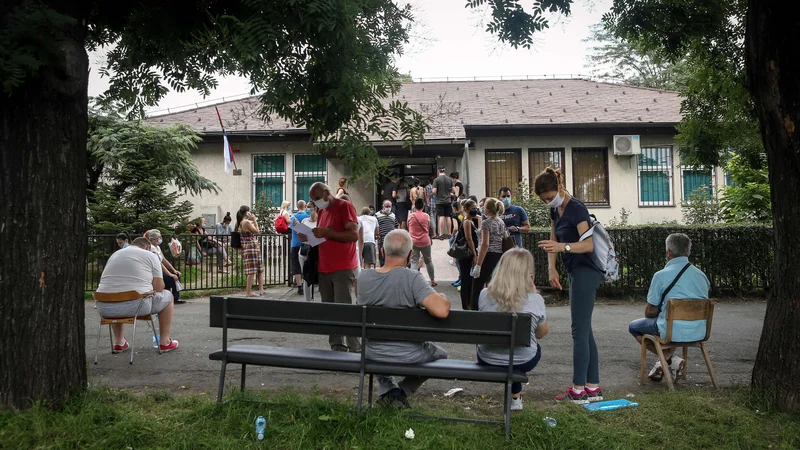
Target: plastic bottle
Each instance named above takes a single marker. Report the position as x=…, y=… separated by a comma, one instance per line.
x=261, y=427
x=156, y=341
x=550, y=422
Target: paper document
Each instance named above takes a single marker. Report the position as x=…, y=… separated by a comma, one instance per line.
x=304, y=229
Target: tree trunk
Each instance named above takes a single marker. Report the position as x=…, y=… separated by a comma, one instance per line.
x=773, y=68
x=43, y=126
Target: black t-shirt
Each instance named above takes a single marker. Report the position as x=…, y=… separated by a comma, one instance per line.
x=460, y=189
x=567, y=232
x=388, y=188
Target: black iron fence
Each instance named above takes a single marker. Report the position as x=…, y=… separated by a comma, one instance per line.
x=737, y=259
x=204, y=264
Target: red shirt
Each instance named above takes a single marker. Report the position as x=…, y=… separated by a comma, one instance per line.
x=335, y=256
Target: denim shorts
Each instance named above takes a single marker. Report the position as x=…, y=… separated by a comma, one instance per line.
x=640, y=327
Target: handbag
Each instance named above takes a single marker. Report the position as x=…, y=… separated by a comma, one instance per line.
x=304, y=249
x=236, y=239
x=460, y=248
x=509, y=242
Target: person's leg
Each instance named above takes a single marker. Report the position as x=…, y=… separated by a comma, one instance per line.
x=218, y=252
x=381, y=257
x=164, y=307
x=464, y=266
x=344, y=292
x=640, y=327
x=260, y=276
x=327, y=295
x=426, y=255
x=411, y=383
x=583, y=284
x=118, y=329
x=249, y=287
x=415, y=254
x=169, y=285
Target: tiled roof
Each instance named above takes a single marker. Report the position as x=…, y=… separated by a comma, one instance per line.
x=449, y=106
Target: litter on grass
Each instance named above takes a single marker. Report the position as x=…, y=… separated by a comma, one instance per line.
x=453, y=392
x=610, y=404
x=409, y=434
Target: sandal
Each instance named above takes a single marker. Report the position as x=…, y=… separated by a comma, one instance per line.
x=433, y=283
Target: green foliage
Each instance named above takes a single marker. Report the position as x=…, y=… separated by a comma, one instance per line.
x=702, y=208
x=748, y=199
x=266, y=213
x=538, y=212
x=512, y=24
x=622, y=221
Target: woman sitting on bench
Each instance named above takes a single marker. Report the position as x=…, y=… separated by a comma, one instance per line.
x=512, y=289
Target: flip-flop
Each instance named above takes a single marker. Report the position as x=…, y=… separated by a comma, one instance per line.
x=433, y=283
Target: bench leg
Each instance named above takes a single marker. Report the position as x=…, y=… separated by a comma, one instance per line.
x=244, y=375
x=221, y=382
x=360, y=391
x=370, y=391
x=507, y=409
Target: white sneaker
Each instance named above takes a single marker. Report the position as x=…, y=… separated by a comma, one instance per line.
x=677, y=367
x=516, y=404
x=656, y=373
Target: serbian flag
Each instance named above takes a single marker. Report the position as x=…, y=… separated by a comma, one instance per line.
x=226, y=150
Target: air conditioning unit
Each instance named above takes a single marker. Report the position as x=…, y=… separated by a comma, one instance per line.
x=627, y=145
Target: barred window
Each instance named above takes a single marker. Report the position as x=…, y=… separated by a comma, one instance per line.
x=542, y=158
x=503, y=169
x=698, y=178
x=268, y=177
x=308, y=169
x=590, y=175
x=655, y=176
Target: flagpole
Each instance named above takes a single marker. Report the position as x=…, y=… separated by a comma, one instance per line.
x=233, y=160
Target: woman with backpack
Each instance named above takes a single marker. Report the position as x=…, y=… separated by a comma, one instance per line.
x=569, y=221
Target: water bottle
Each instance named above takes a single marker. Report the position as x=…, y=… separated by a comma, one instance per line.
x=550, y=422
x=261, y=426
x=156, y=341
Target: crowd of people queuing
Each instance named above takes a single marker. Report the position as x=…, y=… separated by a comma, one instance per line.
x=376, y=258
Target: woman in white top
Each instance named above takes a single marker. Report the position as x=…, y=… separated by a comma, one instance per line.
x=310, y=222
x=368, y=224
x=512, y=290
x=170, y=274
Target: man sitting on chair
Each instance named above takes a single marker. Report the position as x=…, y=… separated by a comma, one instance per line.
x=396, y=286
x=135, y=268
x=678, y=279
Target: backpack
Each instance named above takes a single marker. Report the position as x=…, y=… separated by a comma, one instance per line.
x=175, y=247
x=281, y=224
x=604, y=255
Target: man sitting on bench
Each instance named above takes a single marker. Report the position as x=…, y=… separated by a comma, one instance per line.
x=135, y=268
x=396, y=286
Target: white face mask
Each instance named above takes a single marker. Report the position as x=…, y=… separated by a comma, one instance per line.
x=387, y=210
x=321, y=204
x=556, y=201
x=160, y=241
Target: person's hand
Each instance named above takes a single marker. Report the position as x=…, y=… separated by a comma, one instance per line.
x=553, y=279
x=320, y=232
x=476, y=271
x=551, y=246
x=513, y=229
x=205, y=254
x=302, y=237
x=178, y=273
x=174, y=276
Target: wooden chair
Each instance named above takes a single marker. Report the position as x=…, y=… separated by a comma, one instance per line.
x=105, y=297
x=679, y=309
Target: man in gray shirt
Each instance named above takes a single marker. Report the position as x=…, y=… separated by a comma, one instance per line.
x=442, y=189
x=396, y=286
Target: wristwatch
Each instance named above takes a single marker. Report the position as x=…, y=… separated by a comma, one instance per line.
x=567, y=248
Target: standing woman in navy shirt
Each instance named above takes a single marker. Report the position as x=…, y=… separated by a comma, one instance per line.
x=569, y=221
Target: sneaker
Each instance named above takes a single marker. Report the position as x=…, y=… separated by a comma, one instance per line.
x=677, y=367
x=656, y=373
x=120, y=348
x=395, y=398
x=300, y=290
x=516, y=404
x=594, y=395
x=173, y=344
x=456, y=283
x=573, y=396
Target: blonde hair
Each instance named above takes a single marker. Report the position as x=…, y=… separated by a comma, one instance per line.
x=152, y=234
x=494, y=206
x=512, y=280
x=285, y=205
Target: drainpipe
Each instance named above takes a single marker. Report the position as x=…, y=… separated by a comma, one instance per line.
x=465, y=163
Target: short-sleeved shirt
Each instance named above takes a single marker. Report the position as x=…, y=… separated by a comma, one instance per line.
x=693, y=284
x=222, y=230
x=130, y=269
x=388, y=188
x=156, y=250
x=335, y=256
x=460, y=187
x=497, y=231
x=402, y=195
x=513, y=217
x=299, y=217
x=498, y=355
x=567, y=232
x=369, y=224
x=431, y=197
x=418, y=228
x=443, y=185
x=386, y=223
x=400, y=288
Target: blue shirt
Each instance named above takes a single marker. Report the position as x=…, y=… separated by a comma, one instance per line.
x=567, y=232
x=299, y=216
x=693, y=284
x=513, y=217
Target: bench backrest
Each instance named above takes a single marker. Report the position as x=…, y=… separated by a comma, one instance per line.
x=372, y=322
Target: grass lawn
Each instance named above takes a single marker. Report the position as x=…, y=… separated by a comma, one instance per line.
x=106, y=419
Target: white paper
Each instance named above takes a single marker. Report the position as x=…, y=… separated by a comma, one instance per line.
x=453, y=392
x=304, y=229
x=409, y=434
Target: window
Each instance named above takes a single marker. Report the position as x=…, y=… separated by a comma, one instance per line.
x=590, y=175
x=503, y=169
x=541, y=158
x=728, y=178
x=695, y=178
x=268, y=176
x=655, y=176
x=308, y=169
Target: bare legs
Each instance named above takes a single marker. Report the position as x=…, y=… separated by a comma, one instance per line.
x=164, y=326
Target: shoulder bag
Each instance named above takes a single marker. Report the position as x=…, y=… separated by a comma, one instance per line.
x=671, y=285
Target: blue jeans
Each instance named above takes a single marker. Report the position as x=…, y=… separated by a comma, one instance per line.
x=640, y=327
x=526, y=367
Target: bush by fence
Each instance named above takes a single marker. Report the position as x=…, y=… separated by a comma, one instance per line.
x=737, y=259
x=200, y=272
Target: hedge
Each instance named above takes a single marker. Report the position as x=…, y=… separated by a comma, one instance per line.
x=737, y=259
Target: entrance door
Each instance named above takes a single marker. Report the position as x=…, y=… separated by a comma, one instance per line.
x=408, y=170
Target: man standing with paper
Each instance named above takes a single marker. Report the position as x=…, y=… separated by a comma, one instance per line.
x=338, y=225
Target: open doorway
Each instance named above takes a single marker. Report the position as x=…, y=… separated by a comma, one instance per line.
x=408, y=170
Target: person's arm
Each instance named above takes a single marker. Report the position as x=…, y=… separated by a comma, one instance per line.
x=155, y=270
x=468, y=236
x=437, y=305
x=350, y=233
x=541, y=330
x=651, y=312
x=158, y=284
x=585, y=246
x=394, y=194
x=524, y=222
x=653, y=298
x=484, y=246
x=167, y=265
x=361, y=239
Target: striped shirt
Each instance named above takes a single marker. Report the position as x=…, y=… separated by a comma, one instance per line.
x=385, y=224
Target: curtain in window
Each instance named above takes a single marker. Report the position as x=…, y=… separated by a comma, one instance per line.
x=590, y=175
x=541, y=158
x=694, y=179
x=503, y=169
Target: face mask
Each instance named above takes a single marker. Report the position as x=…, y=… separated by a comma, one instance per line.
x=321, y=204
x=473, y=213
x=556, y=202
x=160, y=241
x=387, y=211
x=506, y=201
x=126, y=245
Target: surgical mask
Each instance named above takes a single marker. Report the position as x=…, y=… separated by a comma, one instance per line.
x=556, y=202
x=387, y=211
x=321, y=204
x=473, y=213
x=126, y=245
x=160, y=241
x=506, y=201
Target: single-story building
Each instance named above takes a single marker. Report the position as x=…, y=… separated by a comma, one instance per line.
x=614, y=143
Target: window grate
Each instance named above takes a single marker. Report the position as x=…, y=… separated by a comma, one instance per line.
x=655, y=176
x=308, y=169
x=542, y=158
x=503, y=169
x=697, y=178
x=269, y=172
x=590, y=175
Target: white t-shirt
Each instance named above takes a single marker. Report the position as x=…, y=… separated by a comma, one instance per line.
x=309, y=223
x=157, y=251
x=369, y=223
x=130, y=269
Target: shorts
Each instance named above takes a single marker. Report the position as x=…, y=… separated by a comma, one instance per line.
x=368, y=253
x=445, y=210
x=150, y=305
x=296, y=269
x=640, y=327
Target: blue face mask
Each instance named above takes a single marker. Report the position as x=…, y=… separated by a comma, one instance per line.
x=126, y=245
x=506, y=201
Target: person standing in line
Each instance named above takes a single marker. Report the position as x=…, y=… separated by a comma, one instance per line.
x=468, y=232
x=342, y=188
x=310, y=222
x=418, y=224
x=416, y=192
x=338, y=261
x=491, y=248
x=389, y=189
x=297, y=268
x=369, y=225
x=458, y=187
x=247, y=226
x=430, y=201
x=386, y=223
x=569, y=221
x=515, y=217
x=443, y=190
x=401, y=207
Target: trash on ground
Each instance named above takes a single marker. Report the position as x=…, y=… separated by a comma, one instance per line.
x=610, y=404
x=630, y=396
x=409, y=434
x=550, y=422
x=453, y=392
x=261, y=427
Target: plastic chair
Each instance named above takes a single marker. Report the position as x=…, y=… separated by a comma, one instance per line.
x=105, y=297
x=681, y=309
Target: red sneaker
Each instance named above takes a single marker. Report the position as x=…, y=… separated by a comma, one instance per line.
x=120, y=348
x=173, y=344
x=572, y=396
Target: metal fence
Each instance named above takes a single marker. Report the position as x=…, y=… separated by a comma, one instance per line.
x=199, y=263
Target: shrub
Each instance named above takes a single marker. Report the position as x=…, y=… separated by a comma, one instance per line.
x=702, y=208
x=538, y=212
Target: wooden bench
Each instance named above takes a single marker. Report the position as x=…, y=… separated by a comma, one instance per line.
x=368, y=322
